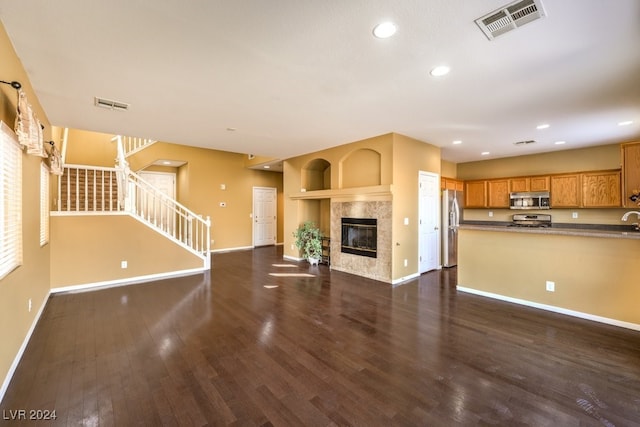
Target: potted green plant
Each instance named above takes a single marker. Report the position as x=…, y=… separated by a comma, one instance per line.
x=309, y=241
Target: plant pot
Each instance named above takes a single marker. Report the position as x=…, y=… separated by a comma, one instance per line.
x=313, y=261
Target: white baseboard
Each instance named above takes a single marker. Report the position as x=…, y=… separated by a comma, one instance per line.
x=16, y=360
x=239, y=248
x=292, y=258
x=405, y=279
x=127, y=281
x=579, y=314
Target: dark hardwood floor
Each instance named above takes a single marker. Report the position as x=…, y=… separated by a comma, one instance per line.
x=239, y=346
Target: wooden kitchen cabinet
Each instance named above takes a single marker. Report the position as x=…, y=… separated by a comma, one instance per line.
x=565, y=191
x=529, y=183
x=630, y=172
x=519, y=184
x=498, y=193
x=540, y=183
x=475, y=194
x=451, y=184
x=601, y=189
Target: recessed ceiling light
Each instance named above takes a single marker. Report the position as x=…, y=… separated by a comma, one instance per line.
x=440, y=70
x=166, y=162
x=625, y=123
x=457, y=142
x=560, y=142
x=384, y=30
x=485, y=153
x=542, y=126
x=232, y=129
x=267, y=167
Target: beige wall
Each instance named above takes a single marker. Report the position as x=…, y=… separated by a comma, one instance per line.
x=86, y=250
x=401, y=159
x=298, y=211
x=90, y=148
x=199, y=188
x=598, y=276
x=31, y=279
x=410, y=156
x=594, y=158
x=449, y=169
x=198, y=181
x=609, y=216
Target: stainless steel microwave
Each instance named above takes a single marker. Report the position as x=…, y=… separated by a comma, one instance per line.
x=529, y=200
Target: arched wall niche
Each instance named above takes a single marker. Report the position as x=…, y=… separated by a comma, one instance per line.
x=316, y=175
x=361, y=168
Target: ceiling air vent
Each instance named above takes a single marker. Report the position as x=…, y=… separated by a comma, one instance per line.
x=530, y=141
x=110, y=104
x=510, y=17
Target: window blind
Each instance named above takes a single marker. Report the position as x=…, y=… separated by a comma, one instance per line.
x=10, y=201
x=44, y=204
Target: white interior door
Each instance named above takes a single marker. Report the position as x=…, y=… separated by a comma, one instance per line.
x=428, y=227
x=264, y=216
x=166, y=183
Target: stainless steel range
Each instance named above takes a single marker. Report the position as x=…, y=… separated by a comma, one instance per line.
x=531, y=220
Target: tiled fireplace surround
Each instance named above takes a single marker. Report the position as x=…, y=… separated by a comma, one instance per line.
x=378, y=268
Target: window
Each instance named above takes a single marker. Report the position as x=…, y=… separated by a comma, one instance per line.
x=10, y=201
x=44, y=204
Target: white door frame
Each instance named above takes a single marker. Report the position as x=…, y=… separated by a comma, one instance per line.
x=255, y=219
x=432, y=221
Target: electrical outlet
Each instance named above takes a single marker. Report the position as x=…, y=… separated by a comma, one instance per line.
x=123, y=264
x=551, y=286
x=406, y=262
x=29, y=305
x=574, y=215
x=490, y=214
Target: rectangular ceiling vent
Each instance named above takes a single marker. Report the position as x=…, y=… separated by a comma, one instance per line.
x=527, y=142
x=510, y=17
x=110, y=104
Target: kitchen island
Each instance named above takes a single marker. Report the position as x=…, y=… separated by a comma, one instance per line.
x=595, y=272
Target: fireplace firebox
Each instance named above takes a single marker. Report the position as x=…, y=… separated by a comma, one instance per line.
x=360, y=236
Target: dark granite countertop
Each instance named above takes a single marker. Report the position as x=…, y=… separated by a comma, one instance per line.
x=563, y=229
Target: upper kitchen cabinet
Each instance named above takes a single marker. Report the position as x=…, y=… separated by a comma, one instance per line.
x=601, y=189
x=630, y=172
x=451, y=184
x=540, y=183
x=565, y=191
x=475, y=194
x=498, y=191
x=529, y=183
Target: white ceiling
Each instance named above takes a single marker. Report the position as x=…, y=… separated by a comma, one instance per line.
x=295, y=76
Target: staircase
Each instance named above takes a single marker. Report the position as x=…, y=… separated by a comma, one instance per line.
x=87, y=190
x=131, y=145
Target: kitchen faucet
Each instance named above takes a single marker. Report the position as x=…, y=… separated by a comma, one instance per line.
x=626, y=216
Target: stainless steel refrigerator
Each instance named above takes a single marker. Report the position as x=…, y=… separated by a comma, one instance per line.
x=452, y=203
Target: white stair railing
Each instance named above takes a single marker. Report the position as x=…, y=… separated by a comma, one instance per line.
x=154, y=208
x=132, y=144
x=161, y=212
x=86, y=189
